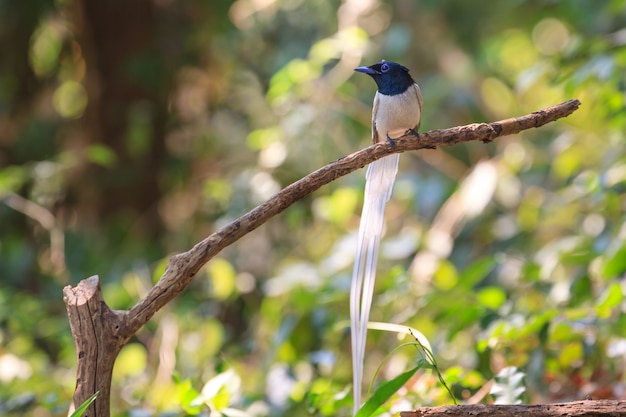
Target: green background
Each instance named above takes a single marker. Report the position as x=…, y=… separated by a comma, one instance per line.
x=130, y=130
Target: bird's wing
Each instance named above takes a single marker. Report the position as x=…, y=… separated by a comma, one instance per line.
x=380, y=177
x=420, y=101
x=375, y=137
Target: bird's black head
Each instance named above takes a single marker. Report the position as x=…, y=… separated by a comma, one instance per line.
x=391, y=78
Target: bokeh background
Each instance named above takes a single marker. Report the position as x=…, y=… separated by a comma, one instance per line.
x=129, y=130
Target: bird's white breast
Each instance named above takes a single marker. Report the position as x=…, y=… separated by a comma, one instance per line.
x=397, y=114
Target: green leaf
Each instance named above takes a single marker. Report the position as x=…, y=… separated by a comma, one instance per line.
x=222, y=276
x=446, y=276
x=491, y=297
x=83, y=407
x=616, y=265
x=186, y=394
x=570, y=354
x=101, y=155
x=384, y=392
x=11, y=179
x=219, y=390
x=611, y=298
x=476, y=272
x=131, y=361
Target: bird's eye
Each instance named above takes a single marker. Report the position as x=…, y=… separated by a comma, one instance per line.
x=384, y=68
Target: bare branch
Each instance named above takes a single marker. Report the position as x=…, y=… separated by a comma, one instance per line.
x=100, y=332
x=183, y=267
x=601, y=408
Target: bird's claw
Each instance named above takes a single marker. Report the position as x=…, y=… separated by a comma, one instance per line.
x=391, y=142
x=417, y=136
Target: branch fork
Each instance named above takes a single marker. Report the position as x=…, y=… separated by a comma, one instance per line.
x=100, y=333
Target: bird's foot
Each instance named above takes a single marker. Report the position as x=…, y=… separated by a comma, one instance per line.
x=391, y=142
x=417, y=136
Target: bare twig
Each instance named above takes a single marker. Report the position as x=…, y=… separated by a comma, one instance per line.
x=47, y=220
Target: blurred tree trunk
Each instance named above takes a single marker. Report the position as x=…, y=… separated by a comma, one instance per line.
x=20, y=88
x=128, y=86
x=15, y=35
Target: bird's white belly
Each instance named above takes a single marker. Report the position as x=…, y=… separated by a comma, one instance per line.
x=397, y=114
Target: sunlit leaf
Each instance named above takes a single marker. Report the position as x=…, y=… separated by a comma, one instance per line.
x=218, y=391
x=11, y=178
x=616, y=265
x=446, y=276
x=384, y=392
x=612, y=297
x=45, y=47
x=222, y=276
x=571, y=354
x=262, y=138
x=70, y=99
x=131, y=361
x=338, y=207
x=186, y=395
x=561, y=331
x=491, y=297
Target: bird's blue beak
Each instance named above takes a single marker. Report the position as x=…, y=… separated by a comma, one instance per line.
x=366, y=70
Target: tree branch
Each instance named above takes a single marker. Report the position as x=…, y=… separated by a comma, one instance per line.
x=183, y=267
x=100, y=333
x=601, y=408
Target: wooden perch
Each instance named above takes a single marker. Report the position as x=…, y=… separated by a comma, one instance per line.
x=98, y=330
x=602, y=408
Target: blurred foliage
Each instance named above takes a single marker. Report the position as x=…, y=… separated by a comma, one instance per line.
x=129, y=130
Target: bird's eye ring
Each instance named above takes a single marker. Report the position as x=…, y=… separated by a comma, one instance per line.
x=384, y=68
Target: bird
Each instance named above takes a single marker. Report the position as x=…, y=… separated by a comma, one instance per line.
x=396, y=111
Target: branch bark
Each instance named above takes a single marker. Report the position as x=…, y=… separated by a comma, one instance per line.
x=601, y=408
x=183, y=267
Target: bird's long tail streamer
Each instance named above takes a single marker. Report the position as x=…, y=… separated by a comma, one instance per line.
x=380, y=177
